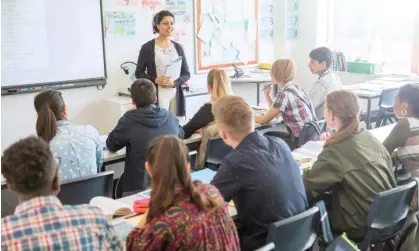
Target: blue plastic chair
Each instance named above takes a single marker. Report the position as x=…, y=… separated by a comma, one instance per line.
x=298, y=233
x=388, y=213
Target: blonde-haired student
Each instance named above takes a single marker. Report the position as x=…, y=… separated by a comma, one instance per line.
x=260, y=176
x=353, y=165
x=218, y=84
x=292, y=102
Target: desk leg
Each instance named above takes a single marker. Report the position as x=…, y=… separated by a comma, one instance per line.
x=369, y=114
x=257, y=93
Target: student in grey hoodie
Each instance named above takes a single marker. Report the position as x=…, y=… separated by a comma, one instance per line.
x=320, y=61
x=136, y=129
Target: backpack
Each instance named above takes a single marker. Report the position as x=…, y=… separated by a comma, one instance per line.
x=311, y=131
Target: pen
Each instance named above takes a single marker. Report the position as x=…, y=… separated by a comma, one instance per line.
x=266, y=87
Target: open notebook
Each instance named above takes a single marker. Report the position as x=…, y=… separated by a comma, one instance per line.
x=308, y=153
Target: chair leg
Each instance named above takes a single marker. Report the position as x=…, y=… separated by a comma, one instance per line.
x=378, y=123
x=384, y=122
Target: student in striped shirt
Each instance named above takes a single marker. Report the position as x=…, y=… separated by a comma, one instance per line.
x=405, y=135
x=40, y=221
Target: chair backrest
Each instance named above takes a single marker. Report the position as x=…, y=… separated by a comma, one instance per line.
x=217, y=150
x=73, y=192
x=81, y=191
x=387, y=97
x=299, y=232
x=8, y=201
x=388, y=213
x=311, y=131
x=391, y=206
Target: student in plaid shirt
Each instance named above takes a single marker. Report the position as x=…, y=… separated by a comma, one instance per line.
x=40, y=221
x=292, y=102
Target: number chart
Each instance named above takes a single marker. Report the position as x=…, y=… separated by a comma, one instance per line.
x=293, y=19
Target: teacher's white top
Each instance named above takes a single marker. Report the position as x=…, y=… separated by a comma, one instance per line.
x=163, y=56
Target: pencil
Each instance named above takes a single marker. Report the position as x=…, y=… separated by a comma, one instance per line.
x=266, y=87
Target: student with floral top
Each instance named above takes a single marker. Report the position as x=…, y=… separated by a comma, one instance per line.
x=183, y=215
x=292, y=102
x=40, y=221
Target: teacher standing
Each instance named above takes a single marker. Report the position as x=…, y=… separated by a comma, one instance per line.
x=152, y=61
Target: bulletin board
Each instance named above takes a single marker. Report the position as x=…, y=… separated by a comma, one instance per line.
x=226, y=32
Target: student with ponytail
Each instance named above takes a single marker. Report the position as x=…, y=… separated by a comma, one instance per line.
x=77, y=147
x=183, y=214
x=218, y=84
x=353, y=165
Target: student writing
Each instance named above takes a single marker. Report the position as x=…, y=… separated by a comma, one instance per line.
x=292, y=102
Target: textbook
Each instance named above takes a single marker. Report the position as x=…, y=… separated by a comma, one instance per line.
x=114, y=209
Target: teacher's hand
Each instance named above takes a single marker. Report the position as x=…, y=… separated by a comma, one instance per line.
x=160, y=80
x=168, y=83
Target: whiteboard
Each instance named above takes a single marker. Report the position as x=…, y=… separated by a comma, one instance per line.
x=51, y=41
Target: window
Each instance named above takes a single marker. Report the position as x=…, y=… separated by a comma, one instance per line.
x=377, y=31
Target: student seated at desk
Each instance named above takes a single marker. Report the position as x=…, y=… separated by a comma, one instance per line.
x=292, y=102
x=136, y=129
x=40, y=221
x=218, y=84
x=321, y=60
x=405, y=135
x=77, y=146
x=183, y=215
x=260, y=176
x=353, y=165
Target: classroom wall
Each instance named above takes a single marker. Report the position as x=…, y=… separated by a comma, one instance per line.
x=84, y=105
x=311, y=35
